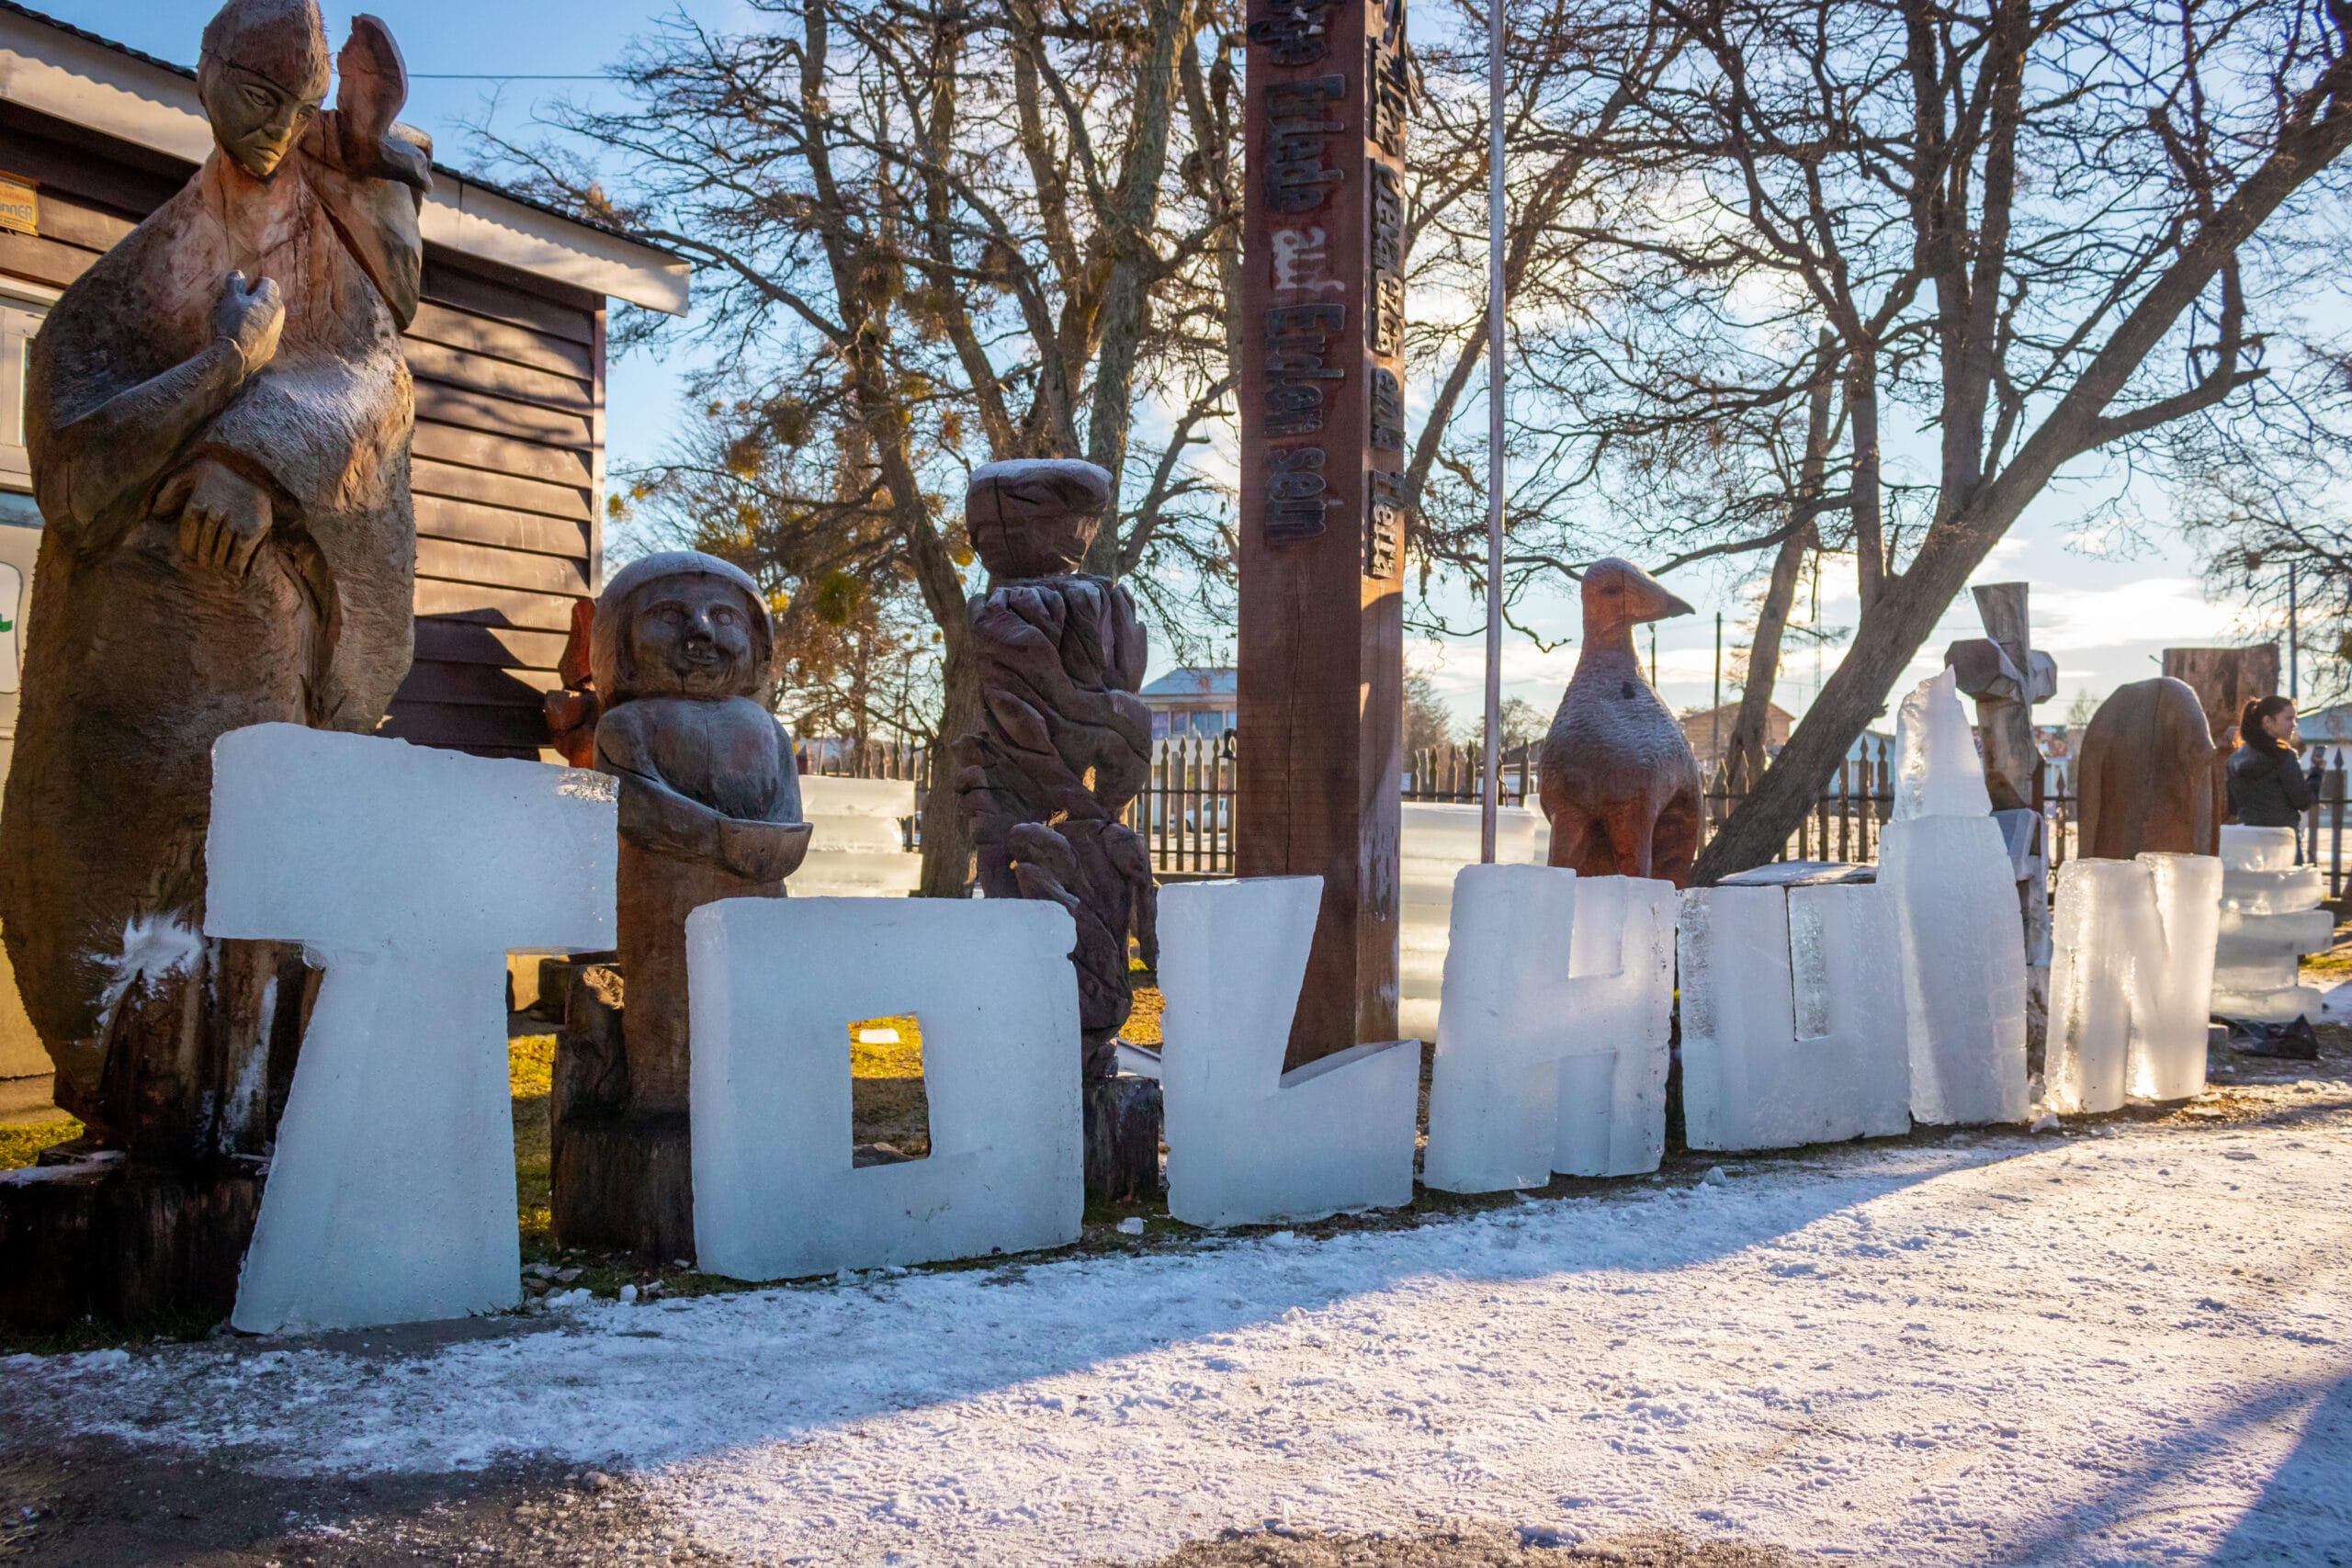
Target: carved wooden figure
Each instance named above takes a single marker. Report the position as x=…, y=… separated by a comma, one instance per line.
x=709, y=808
x=1064, y=743
x=2145, y=775
x=572, y=709
x=1621, y=783
x=217, y=416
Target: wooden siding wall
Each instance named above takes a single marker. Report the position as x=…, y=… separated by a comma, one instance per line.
x=508, y=465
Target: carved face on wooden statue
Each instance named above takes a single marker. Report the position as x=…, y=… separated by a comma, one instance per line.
x=681, y=623
x=1035, y=518
x=264, y=73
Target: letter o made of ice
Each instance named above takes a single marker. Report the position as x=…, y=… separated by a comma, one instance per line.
x=1248, y=1143
x=776, y=984
x=409, y=873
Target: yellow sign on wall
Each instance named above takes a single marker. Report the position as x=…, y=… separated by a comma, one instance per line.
x=20, y=205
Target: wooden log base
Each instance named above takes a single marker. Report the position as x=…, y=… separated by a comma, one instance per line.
x=625, y=1182
x=1123, y=1124
x=129, y=1246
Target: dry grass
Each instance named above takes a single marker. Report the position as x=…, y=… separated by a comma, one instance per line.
x=22, y=1144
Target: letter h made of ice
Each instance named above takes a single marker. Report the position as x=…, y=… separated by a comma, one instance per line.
x=409, y=874
x=1248, y=1143
x=1552, y=1037
x=1792, y=1017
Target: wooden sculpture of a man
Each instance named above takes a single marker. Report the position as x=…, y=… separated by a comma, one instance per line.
x=1065, y=743
x=218, y=415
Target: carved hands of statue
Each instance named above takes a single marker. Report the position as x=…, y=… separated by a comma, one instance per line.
x=251, y=316
x=223, y=515
x=761, y=851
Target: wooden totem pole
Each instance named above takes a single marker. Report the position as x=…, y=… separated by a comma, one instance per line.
x=218, y=415
x=1322, y=513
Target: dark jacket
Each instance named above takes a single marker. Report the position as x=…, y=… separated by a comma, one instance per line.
x=2266, y=786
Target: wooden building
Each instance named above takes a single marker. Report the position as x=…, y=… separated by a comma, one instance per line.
x=507, y=352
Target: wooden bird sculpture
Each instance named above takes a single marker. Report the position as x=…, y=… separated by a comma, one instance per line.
x=1621, y=784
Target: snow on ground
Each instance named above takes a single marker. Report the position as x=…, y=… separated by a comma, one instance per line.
x=2127, y=1346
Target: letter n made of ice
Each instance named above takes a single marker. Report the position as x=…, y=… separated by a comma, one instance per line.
x=776, y=983
x=1553, y=1029
x=1248, y=1143
x=2130, y=980
x=408, y=874
x=1792, y=1026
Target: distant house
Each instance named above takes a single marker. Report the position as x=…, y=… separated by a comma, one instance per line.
x=1709, y=731
x=1194, y=701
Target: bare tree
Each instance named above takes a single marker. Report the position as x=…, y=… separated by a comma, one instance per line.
x=929, y=233
x=2032, y=233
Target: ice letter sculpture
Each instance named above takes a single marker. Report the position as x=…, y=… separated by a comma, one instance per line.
x=1551, y=1043
x=2132, y=981
x=776, y=983
x=1248, y=1143
x=2270, y=917
x=1792, y=1017
x=1947, y=875
x=409, y=873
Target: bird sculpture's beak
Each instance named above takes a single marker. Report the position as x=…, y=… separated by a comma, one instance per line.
x=1669, y=607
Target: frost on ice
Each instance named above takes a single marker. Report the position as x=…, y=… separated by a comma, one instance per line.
x=1791, y=1000
x=2132, y=978
x=1937, y=772
x=2270, y=917
x=409, y=874
x=1952, y=889
x=776, y=983
x=1248, y=1143
x=1552, y=1045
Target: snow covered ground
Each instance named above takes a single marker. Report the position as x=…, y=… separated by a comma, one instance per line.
x=2128, y=1345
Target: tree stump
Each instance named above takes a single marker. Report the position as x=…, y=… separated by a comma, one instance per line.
x=95, y=1236
x=1122, y=1126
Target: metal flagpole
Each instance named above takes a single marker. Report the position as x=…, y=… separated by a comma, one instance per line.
x=1491, y=791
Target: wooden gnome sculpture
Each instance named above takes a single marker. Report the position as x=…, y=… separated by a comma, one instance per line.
x=2145, y=775
x=682, y=650
x=1065, y=743
x=217, y=416
x=1620, y=783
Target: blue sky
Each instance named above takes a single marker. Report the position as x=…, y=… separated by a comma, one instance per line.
x=2104, y=617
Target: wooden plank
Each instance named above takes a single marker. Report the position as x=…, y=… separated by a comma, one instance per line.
x=473, y=642
x=486, y=685
x=501, y=340
x=71, y=221
x=468, y=523
x=494, y=568
x=43, y=261
x=494, y=606
x=499, y=377
x=447, y=284
x=91, y=170
x=493, y=453
x=505, y=492
x=499, y=416
x=466, y=724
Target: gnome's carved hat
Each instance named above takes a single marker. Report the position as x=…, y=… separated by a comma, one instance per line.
x=609, y=656
x=285, y=41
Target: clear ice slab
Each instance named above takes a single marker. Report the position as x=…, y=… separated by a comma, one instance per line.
x=1248, y=1143
x=408, y=873
x=2270, y=917
x=1552, y=1045
x=777, y=982
x=2133, y=979
x=1793, y=1017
